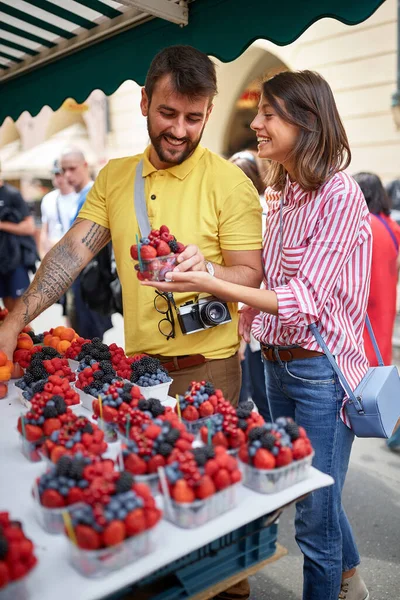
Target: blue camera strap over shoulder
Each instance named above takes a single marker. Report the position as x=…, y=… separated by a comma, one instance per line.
x=139, y=202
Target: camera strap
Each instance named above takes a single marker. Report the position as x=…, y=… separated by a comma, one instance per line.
x=139, y=202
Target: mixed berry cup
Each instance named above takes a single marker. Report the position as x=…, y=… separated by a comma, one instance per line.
x=271, y=481
x=156, y=268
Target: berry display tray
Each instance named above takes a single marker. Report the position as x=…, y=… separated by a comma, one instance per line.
x=155, y=269
x=31, y=450
x=275, y=480
x=51, y=519
x=159, y=391
x=195, y=426
x=98, y=563
x=199, y=512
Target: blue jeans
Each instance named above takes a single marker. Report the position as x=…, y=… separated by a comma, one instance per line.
x=253, y=381
x=309, y=391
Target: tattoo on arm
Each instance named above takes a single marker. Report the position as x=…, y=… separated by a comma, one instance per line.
x=57, y=272
x=97, y=237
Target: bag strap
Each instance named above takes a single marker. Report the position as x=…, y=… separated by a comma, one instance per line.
x=389, y=230
x=140, y=202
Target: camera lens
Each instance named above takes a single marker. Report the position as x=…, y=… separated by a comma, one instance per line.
x=213, y=313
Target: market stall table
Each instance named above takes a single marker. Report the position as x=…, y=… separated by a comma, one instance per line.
x=54, y=575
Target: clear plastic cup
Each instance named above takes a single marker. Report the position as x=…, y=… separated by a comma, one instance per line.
x=195, y=426
x=110, y=431
x=271, y=481
x=31, y=450
x=51, y=519
x=199, y=512
x=155, y=269
x=159, y=391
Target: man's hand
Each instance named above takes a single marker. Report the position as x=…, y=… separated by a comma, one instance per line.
x=191, y=259
x=246, y=318
x=8, y=340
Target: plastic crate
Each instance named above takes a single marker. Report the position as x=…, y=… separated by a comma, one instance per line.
x=229, y=554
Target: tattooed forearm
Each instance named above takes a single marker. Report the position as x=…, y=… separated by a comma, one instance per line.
x=56, y=274
x=96, y=238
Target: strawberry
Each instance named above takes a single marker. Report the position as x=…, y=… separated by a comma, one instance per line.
x=75, y=495
x=183, y=444
x=134, y=252
x=219, y=439
x=206, y=409
x=181, y=248
x=114, y=533
x=301, y=448
x=148, y=252
x=57, y=452
x=302, y=432
x=165, y=237
x=190, y=413
x=243, y=454
x=205, y=487
x=152, y=516
x=236, y=476
x=142, y=490
x=211, y=467
x=153, y=431
x=87, y=438
x=135, y=465
x=87, y=538
x=164, y=229
x=155, y=462
x=51, y=425
x=109, y=413
x=33, y=433
x=238, y=438
x=163, y=249
x=264, y=459
x=52, y=499
x=222, y=479
x=135, y=522
x=182, y=492
x=285, y=457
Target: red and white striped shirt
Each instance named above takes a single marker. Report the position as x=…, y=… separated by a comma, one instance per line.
x=323, y=273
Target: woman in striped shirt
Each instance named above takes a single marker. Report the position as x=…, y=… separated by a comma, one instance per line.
x=317, y=260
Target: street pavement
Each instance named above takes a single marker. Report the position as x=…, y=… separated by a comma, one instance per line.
x=371, y=500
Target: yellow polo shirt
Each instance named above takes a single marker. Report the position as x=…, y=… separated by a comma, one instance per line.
x=205, y=201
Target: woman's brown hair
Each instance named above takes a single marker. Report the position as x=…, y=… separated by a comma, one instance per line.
x=322, y=148
x=247, y=162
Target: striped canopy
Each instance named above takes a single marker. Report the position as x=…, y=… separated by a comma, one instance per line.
x=54, y=49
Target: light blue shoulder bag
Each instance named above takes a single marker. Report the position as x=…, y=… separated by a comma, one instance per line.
x=373, y=409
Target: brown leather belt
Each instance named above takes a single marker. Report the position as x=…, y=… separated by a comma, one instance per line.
x=176, y=363
x=287, y=354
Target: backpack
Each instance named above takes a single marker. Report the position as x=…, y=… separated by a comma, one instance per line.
x=100, y=286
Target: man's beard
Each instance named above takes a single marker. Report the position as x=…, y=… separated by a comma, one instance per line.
x=172, y=157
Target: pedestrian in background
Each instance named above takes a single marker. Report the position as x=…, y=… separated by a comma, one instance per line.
x=253, y=379
x=88, y=323
x=58, y=209
x=382, y=299
x=18, y=253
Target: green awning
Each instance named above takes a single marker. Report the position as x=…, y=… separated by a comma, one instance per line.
x=54, y=49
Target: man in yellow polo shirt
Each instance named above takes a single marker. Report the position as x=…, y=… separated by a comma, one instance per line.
x=208, y=204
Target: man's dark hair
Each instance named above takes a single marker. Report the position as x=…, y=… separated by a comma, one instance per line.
x=375, y=194
x=192, y=72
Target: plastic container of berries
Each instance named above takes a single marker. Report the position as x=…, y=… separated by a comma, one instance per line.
x=155, y=269
x=272, y=481
x=31, y=450
x=24, y=401
x=152, y=480
x=195, y=426
x=98, y=563
x=86, y=399
x=51, y=519
x=109, y=429
x=73, y=364
x=199, y=512
x=17, y=590
x=159, y=391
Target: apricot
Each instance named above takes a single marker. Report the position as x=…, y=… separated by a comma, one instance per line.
x=9, y=364
x=3, y=358
x=17, y=371
x=54, y=342
x=63, y=346
x=47, y=339
x=5, y=374
x=3, y=390
x=67, y=334
x=24, y=341
x=57, y=331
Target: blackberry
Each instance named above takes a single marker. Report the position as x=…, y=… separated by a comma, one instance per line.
x=209, y=388
x=242, y=424
x=173, y=246
x=60, y=404
x=255, y=433
x=173, y=436
x=144, y=405
x=38, y=372
x=127, y=387
x=156, y=407
x=124, y=483
x=126, y=397
x=96, y=341
x=86, y=389
x=50, y=352
x=87, y=429
x=31, y=335
x=249, y=405
x=200, y=456
x=3, y=548
x=98, y=375
x=38, y=386
x=210, y=451
x=77, y=468
x=97, y=385
x=242, y=413
x=267, y=441
x=165, y=449
x=64, y=465
x=106, y=366
x=292, y=429
x=28, y=378
x=50, y=412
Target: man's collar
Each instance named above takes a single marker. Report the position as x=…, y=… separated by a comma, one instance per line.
x=179, y=171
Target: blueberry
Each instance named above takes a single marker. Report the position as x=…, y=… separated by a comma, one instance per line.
x=257, y=444
x=275, y=451
x=131, y=505
x=69, y=444
x=108, y=515
x=83, y=484
x=122, y=513
x=64, y=490
x=252, y=451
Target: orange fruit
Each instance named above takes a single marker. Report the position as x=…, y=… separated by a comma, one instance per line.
x=24, y=341
x=3, y=358
x=47, y=339
x=57, y=331
x=63, y=346
x=54, y=342
x=5, y=373
x=67, y=334
x=3, y=390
